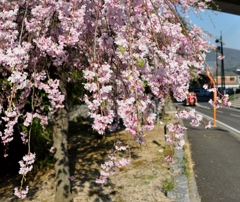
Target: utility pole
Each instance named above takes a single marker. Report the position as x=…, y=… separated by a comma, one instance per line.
x=220, y=49
x=222, y=65
x=217, y=67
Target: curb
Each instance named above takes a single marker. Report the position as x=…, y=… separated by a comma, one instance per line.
x=181, y=191
x=185, y=187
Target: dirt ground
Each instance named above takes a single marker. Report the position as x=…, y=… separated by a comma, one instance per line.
x=141, y=181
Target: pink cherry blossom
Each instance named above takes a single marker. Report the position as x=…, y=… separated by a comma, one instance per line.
x=208, y=125
x=169, y=159
x=123, y=53
x=221, y=57
x=22, y=193
x=72, y=178
x=26, y=163
x=52, y=150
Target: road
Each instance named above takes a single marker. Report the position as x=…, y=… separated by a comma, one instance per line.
x=216, y=155
x=226, y=117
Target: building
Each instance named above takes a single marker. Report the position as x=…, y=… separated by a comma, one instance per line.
x=232, y=79
x=238, y=73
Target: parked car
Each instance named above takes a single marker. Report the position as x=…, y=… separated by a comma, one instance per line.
x=202, y=92
x=229, y=91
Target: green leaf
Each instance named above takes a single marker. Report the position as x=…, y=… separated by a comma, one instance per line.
x=122, y=50
x=104, y=103
x=144, y=83
x=140, y=62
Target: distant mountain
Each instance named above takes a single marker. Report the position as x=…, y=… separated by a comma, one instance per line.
x=231, y=60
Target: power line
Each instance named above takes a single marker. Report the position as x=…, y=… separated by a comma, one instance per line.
x=232, y=30
x=233, y=26
x=230, y=34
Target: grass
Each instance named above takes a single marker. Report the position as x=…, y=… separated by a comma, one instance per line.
x=231, y=97
x=168, y=150
x=120, y=199
x=168, y=185
x=188, y=160
x=148, y=178
x=88, y=150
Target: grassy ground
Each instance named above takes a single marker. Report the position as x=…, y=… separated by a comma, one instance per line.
x=232, y=96
x=144, y=180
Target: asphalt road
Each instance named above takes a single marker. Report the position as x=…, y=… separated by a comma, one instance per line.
x=227, y=117
x=216, y=155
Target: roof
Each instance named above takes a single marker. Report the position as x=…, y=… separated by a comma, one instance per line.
x=229, y=73
x=237, y=72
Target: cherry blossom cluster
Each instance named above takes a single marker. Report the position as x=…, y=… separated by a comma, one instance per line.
x=175, y=136
x=21, y=193
x=140, y=58
x=109, y=167
x=129, y=53
x=221, y=100
x=11, y=118
x=26, y=165
x=190, y=115
x=176, y=131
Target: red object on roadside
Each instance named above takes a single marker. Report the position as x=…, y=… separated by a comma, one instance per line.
x=191, y=99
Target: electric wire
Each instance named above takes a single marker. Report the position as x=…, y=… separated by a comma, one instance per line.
x=230, y=34
x=232, y=27
x=232, y=30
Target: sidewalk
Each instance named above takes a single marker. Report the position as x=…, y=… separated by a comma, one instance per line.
x=236, y=103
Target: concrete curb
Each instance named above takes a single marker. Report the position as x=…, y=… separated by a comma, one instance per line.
x=185, y=188
x=181, y=191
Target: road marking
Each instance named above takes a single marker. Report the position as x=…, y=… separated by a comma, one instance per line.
x=232, y=108
x=203, y=107
x=234, y=115
x=225, y=125
x=200, y=106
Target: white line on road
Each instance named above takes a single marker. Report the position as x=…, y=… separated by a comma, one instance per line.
x=221, y=123
x=231, y=108
x=234, y=115
x=219, y=111
x=201, y=106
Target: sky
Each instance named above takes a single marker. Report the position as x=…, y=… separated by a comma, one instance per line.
x=216, y=22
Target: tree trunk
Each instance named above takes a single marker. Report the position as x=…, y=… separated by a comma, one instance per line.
x=62, y=174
